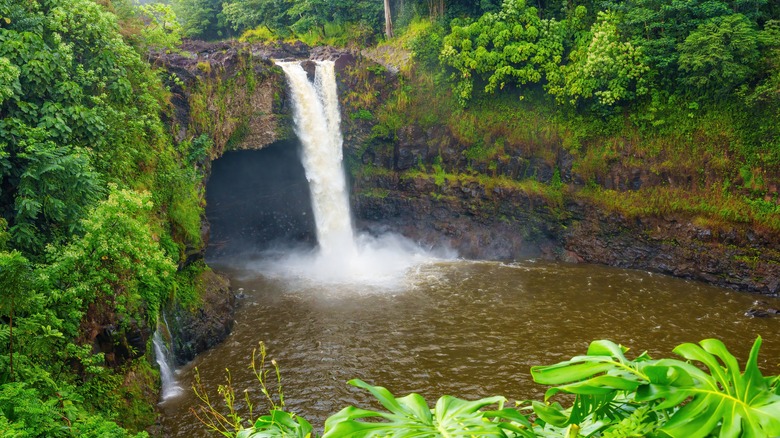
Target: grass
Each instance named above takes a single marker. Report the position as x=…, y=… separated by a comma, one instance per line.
x=713, y=209
x=490, y=185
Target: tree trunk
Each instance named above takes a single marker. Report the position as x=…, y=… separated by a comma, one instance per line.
x=388, y=21
x=11, y=340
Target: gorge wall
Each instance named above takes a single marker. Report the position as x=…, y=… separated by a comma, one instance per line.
x=530, y=197
x=431, y=184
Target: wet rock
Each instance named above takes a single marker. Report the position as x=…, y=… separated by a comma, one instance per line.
x=343, y=60
x=310, y=67
x=194, y=330
x=340, y=57
x=762, y=309
x=282, y=51
x=253, y=113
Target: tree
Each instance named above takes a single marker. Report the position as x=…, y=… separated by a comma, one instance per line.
x=512, y=47
x=201, y=18
x=720, y=54
x=9, y=80
x=118, y=263
x=14, y=282
x=77, y=109
x=388, y=20
x=162, y=30
x=602, y=65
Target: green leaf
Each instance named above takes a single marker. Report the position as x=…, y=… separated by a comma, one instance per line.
x=278, y=424
x=410, y=416
x=742, y=404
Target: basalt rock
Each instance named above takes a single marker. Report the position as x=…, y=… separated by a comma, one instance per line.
x=195, y=330
x=739, y=257
x=119, y=340
x=762, y=309
x=230, y=91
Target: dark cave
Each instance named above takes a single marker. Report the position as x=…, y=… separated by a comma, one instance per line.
x=258, y=199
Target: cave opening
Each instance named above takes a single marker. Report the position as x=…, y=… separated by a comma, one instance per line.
x=257, y=200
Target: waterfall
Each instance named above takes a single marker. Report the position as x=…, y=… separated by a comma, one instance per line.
x=343, y=256
x=164, y=355
x=317, y=124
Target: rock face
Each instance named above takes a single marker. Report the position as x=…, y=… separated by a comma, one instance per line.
x=195, y=330
x=230, y=92
x=478, y=222
x=120, y=341
x=418, y=181
x=740, y=258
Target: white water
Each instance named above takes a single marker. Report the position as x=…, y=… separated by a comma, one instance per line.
x=317, y=122
x=164, y=356
x=343, y=256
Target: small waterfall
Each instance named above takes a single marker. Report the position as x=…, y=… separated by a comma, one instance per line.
x=317, y=124
x=163, y=352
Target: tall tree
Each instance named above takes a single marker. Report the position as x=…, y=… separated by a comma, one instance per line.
x=388, y=20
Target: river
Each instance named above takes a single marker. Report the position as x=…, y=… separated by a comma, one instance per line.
x=465, y=328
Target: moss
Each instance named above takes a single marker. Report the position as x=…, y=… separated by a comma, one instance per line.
x=716, y=209
x=223, y=105
x=374, y=192
x=129, y=396
x=204, y=66
x=238, y=135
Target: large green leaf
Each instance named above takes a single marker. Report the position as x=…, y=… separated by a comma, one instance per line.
x=600, y=380
x=278, y=424
x=410, y=416
x=742, y=404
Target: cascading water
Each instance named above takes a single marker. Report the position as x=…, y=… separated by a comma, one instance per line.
x=317, y=120
x=343, y=255
x=164, y=356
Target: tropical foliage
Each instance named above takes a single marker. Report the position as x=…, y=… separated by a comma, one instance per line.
x=513, y=46
x=704, y=394
x=95, y=203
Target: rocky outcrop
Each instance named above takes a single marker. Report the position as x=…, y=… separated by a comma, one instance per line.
x=476, y=221
x=198, y=328
x=119, y=340
x=739, y=257
x=230, y=91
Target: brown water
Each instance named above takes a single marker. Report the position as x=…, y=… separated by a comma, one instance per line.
x=469, y=329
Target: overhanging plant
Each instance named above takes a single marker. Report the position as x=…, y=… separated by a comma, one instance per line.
x=410, y=416
x=677, y=398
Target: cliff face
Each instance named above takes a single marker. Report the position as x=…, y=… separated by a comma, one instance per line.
x=232, y=95
x=425, y=181
x=533, y=200
x=229, y=91
x=508, y=221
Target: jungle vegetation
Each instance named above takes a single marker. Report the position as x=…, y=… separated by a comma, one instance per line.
x=610, y=395
x=98, y=204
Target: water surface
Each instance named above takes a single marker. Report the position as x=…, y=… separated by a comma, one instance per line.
x=469, y=329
